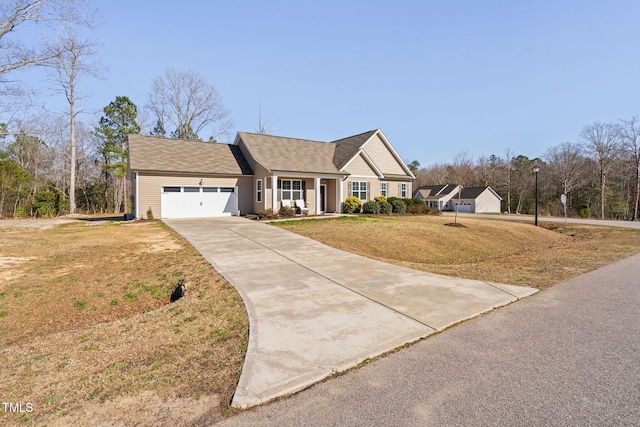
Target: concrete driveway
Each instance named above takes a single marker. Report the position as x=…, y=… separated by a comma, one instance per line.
x=315, y=310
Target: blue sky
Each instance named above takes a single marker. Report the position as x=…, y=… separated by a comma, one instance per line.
x=438, y=77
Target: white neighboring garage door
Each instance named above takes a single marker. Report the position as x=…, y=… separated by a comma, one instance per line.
x=198, y=202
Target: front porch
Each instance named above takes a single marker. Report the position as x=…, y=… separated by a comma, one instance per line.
x=319, y=195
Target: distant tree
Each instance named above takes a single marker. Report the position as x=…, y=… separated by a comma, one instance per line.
x=15, y=182
x=73, y=62
x=602, y=142
x=413, y=167
x=158, y=129
x=189, y=103
x=566, y=165
x=118, y=121
x=630, y=132
x=264, y=126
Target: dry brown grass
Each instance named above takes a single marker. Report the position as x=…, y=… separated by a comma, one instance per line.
x=489, y=250
x=87, y=333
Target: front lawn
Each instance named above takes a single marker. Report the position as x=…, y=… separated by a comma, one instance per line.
x=87, y=333
x=491, y=250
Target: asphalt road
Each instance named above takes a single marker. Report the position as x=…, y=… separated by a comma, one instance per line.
x=568, y=356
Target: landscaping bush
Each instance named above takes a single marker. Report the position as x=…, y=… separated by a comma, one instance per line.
x=267, y=214
x=352, y=205
x=413, y=201
x=380, y=199
x=149, y=213
x=287, y=212
x=417, y=209
x=371, y=207
x=398, y=206
x=385, y=207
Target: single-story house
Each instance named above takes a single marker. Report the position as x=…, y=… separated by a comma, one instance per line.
x=469, y=199
x=174, y=178
x=437, y=196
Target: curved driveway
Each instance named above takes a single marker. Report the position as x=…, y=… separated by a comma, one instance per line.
x=315, y=310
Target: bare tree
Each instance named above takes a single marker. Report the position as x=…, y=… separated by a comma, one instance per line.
x=630, y=131
x=186, y=101
x=603, y=143
x=264, y=126
x=74, y=62
x=566, y=166
x=33, y=15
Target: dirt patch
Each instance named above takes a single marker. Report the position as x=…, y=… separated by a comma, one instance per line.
x=494, y=251
x=87, y=334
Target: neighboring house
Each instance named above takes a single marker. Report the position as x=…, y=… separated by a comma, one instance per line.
x=180, y=179
x=437, y=196
x=472, y=199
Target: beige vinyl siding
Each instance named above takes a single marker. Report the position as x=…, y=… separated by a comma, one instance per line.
x=382, y=157
x=150, y=188
x=393, y=188
x=360, y=167
x=261, y=173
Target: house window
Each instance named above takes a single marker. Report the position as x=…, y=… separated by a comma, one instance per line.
x=291, y=189
x=258, y=190
x=359, y=189
x=383, y=189
x=191, y=189
x=210, y=189
x=403, y=190
x=227, y=189
x=171, y=190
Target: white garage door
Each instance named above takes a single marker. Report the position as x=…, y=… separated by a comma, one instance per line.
x=198, y=202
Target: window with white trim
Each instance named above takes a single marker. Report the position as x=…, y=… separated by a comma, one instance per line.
x=383, y=189
x=258, y=190
x=403, y=190
x=291, y=189
x=359, y=189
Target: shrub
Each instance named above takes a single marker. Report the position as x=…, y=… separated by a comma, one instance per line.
x=149, y=213
x=417, y=209
x=585, y=213
x=380, y=199
x=385, y=208
x=287, y=212
x=413, y=201
x=371, y=207
x=352, y=205
x=267, y=214
x=398, y=206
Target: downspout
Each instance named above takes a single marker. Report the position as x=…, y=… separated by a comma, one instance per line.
x=137, y=197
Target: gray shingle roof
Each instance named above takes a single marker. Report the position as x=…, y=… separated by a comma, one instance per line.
x=278, y=153
x=150, y=153
x=346, y=148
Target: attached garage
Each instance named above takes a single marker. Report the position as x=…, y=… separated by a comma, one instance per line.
x=173, y=178
x=198, y=202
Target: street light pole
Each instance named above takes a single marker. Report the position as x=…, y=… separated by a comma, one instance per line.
x=536, y=169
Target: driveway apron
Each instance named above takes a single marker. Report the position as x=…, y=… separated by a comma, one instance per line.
x=315, y=310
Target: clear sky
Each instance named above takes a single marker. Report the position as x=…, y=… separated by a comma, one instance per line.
x=438, y=77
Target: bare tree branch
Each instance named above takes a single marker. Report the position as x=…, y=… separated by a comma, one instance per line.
x=186, y=101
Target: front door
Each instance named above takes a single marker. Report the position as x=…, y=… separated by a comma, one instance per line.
x=323, y=197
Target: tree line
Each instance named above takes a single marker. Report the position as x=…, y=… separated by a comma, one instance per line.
x=599, y=173
x=69, y=160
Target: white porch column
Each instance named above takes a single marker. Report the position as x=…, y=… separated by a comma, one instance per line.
x=317, y=193
x=274, y=193
x=339, y=196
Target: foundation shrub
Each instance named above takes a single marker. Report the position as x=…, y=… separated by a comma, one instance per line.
x=352, y=204
x=267, y=214
x=385, y=207
x=287, y=212
x=398, y=206
x=371, y=207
